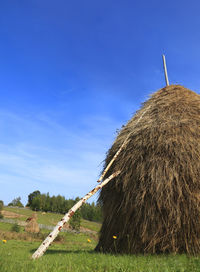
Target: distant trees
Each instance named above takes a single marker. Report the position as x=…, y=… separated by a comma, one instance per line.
x=58, y=204
x=91, y=212
x=1, y=208
x=16, y=202
x=31, y=197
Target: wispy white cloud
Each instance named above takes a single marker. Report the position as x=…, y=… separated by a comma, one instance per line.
x=40, y=153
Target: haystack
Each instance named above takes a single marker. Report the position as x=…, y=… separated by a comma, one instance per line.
x=153, y=206
x=32, y=225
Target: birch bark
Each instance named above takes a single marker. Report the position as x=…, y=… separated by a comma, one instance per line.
x=120, y=149
x=43, y=247
x=45, y=244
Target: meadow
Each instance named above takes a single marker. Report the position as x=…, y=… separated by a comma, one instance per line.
x=75, y=252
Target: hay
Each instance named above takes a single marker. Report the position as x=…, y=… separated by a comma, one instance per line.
x=153, y=206
x=32, y=225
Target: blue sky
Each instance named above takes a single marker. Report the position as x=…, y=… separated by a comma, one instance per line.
x=72, y=72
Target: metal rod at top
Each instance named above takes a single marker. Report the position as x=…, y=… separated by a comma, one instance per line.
x=165, y=70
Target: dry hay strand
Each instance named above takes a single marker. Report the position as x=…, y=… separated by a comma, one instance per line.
x=153, y=206
x=32, y=225
x=34, y=216
x=8, y=214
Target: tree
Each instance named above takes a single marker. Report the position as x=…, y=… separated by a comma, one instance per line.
x=36, y=203
x=16, y=202
x=47, y=205
x=1, y=205
x=31, y=197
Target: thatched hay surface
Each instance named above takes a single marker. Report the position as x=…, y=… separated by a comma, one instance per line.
x=153, y=206
x=32, y=225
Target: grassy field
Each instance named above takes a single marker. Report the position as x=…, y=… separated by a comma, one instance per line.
x=78, y=255
x=50, y=218
x=75, y=252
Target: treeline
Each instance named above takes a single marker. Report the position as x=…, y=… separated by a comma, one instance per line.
x=58, y=204
x=16, y=202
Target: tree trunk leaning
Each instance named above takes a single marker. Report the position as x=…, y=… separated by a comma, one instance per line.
x=50, y=238
x=120, y=149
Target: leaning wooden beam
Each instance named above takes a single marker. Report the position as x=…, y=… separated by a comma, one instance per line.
x=43, y=247
x=120, y=149
x=113, y=159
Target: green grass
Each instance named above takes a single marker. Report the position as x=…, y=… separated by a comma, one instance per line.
x=78, y=255
x=71, y=238
x=47, y=218
x=5, y=226
x=91, y=225
x=51, y=218
x=75, y=254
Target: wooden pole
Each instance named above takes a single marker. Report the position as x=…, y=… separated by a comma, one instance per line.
x=119, y=150
x=47, y=242
x=165, y=70
x=43, y=247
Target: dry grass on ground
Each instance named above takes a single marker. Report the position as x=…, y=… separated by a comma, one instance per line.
x=8, y=214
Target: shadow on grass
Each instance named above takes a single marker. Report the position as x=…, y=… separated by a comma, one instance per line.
x=64, y=251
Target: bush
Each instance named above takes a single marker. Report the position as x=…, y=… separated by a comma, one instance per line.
x=75, y=221
x=1, y=215
x=38, y=235
x=15, y=228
